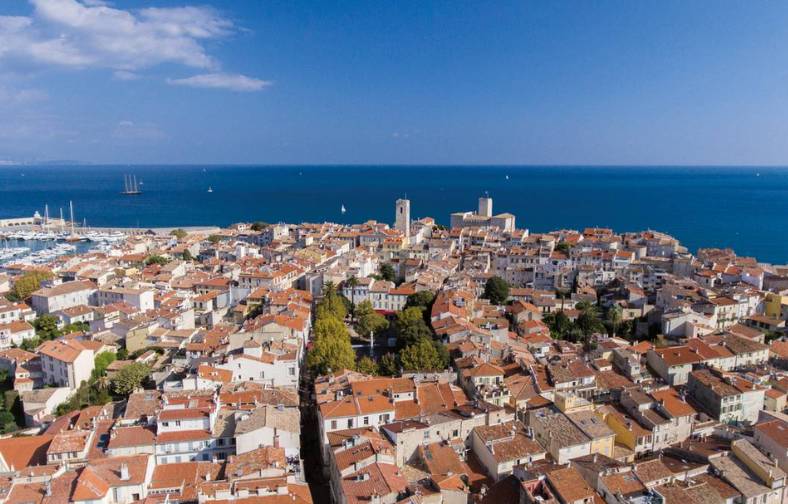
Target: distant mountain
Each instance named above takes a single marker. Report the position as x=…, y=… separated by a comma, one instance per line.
x=50, y=162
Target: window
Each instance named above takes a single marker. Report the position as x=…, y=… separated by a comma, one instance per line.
x=349, y=423
x=333, y=424
x=366, y=420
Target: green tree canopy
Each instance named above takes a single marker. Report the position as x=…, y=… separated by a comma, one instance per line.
x=128, y=379
x=27, y=284
x=332, y=303
x=331, y=353
x=387, y=272
x=614, y=315
x=156, y=259
x=559, y=324
x=330, y=327
x=410, y=327
x=214, y=239
x=496, y=290
x=101, y=362
x=367, y=366
x=588, y=321
x=421, y=356
x=422, y=299
x=259, y=226
x=388, y=365
x=368, y=320
x=46, y=327
x=179, y=233
x=187, y=256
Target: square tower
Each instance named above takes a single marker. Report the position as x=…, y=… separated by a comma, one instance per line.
x=402, y=217
x=485, y=207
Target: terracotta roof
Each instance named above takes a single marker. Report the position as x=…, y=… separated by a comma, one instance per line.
x=25, y=451
x=776, y=430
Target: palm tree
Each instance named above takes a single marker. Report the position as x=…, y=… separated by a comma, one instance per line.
x=562, y=294
x=614, y=317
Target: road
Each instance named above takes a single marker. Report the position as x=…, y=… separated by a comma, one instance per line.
x=311, y=443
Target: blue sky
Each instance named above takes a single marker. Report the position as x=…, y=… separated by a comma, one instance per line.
x=258, y=81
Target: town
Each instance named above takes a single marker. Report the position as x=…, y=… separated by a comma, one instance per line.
x=401, y=362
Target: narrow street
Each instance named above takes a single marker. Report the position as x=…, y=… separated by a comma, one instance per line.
x=311, y=443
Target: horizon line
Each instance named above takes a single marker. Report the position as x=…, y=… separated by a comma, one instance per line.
x=55, y=164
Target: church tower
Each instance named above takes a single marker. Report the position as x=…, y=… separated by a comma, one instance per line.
x=402, y=218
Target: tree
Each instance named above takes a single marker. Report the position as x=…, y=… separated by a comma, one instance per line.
x=563, y=247
x=214, y=239
x=369, y=320
x=156, y=259
x=614, y=318
x=7, y=422
x=388, y=365
x=367, y=366
x=179, y=233
x=588, y=321
x=496, y=290
x=27, y=284
x=187, y=256
x=46, y=327
x=410, y=327
x=330, y=327
x=421, y=356
x=128, y=379
x=75, y=327
x=422, y=299
x=30, y=344
x=331, y=353
x=559, y=324
x=122, y=354
x=101, y=363
x=332, y=303
x=387, y=272
x=259, y=226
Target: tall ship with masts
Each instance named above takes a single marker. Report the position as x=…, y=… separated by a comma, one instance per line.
x=130, y=186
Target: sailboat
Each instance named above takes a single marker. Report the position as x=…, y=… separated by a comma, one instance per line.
x=210, y=189
x=130, y=186
x=73, y=237
x=343, y=210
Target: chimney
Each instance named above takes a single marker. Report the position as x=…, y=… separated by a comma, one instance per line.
x=124, y=472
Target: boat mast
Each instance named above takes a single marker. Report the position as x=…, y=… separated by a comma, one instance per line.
x=71, y=210
x=46, y=214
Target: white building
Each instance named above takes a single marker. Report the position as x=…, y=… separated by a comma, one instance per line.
x=13, y=333
x=65, y=295
x=142, y=299
x=65, y=363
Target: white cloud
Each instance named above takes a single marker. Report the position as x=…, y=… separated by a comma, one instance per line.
x=130, y=131
x=125, y=75
x=91, y=34
x=10, y=96
x=234, y=82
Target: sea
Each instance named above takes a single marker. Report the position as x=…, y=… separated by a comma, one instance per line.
x=745, y=208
